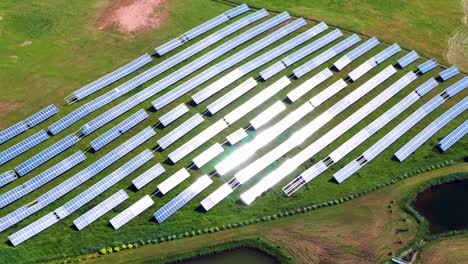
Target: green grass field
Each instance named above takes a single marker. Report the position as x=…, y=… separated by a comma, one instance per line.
x=67, y=52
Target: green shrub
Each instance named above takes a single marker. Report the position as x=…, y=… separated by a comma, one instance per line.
x=116, y=249
x=103, y=251
x=109, y=250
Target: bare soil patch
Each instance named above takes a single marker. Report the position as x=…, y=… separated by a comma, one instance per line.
x=6, y=108
x=130, y=16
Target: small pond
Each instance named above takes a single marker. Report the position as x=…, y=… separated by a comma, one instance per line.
x=242, y=255
x=444, y=206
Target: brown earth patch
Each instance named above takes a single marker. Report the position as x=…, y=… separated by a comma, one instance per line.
x=6, y=108
x=130, y=16
x=26, y=43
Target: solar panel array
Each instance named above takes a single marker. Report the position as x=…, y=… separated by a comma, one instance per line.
x=31, y=121
x=23, y=146
x=174, y=114
x=131, y=212
x=399, y=130
x=42, y=178
x=197, y=31
x=236, y=136
x=109, y=78
x=46, y=155
x=427, y=66
x=309, y=152
x=101, y=209
x=76, y=180
x=33, y=229
x=356, y=53
x=300, y=54
x=118, y=130
x=7, y=177
x=236, y=58
x=308, y=85
x=408, y=59
x=207, y=155
x=231, y=96
x=268, y=114
x=174, y=180
x=454, y=136
x=449, y=73
x=374, y=61
x=182, y=72
x=147, y=176
x=153, y=72
x=180, y=131
x=182, y=198
x=431, y=129
x=326, y=56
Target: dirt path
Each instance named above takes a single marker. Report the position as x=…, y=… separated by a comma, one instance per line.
x=130, y=16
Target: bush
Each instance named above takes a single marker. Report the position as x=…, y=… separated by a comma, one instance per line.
x=116, y=249
x=130, y=246
x=124, y=246
x=103, y=251
x=109, y=250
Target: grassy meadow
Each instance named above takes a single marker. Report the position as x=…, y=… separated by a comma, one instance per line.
x=68, y=52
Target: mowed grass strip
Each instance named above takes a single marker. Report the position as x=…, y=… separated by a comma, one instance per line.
x=365, y=229
x=62, y=240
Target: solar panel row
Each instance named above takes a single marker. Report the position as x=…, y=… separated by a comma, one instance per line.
x=427, y=66
x=308, y=85
x=147, y=176
x=207, y=155
x=233, y=59
x=236, y=136
x=23, y=146
x=454, y=136
x=180, y=131
x=408, y=59
x=31, y=121
x=108, y=79
x=180, y=73
x=33, y=229
x=7, y=177
x=231, y=96
x=416, y=142
x=101, y=209
x=268, y=114
x=42, y=178
x=155, y=71
x=131, y=212
x=449, y=73
x=374, y=61
x=119, y=130
x=326, y=56
x=356, y=53
x=76, y=180
x=174, y=114
x=308, y=152
x=300, y=54
x=45, y=155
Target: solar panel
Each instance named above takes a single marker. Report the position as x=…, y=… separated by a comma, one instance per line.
x=454, y=136
x=216, y=86
x=397, y=131
x=268, y=114
x=231, y=61
x=326, y=56
x=307, y=153
x=7, y=177
x=131, y=212
x=257, y=100
x=149, y=74
x=408, y=59
x=183, y=72
x=46, y=155
x=449, y=73
x=236, y=136
x=183, y=198
x=374, y=61
x=331, y=90
x=308, y=85
x=76, y=180
x=231, y=96
x=174, y=114
x=197, y=141
x=356, y=53
x=412, y=145
x=31, y=230
x=300, y=54
x=197, y=31
x=207, y=155
x=427, y=66
x=41, y=116
x=180, y=131
x=174, y=180
x=109, y=78
x=118, y=130
x=104, y=184
x=426, y=87
x=23, y=146
x=42, y=178
x=13, y=131
x=149, y=175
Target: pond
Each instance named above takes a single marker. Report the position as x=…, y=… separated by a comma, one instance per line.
x=444, y=206
x=244, y=255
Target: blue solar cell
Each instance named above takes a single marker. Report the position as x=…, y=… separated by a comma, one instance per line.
x=408, y=59
x=42, y=115
x=7, y=177
x=46, y=155
x=454, y=136
x=449, y=73
x=23, y=146
x=13, y=131
x=427, y=66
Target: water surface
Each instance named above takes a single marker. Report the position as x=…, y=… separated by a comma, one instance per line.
x=243, y=255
